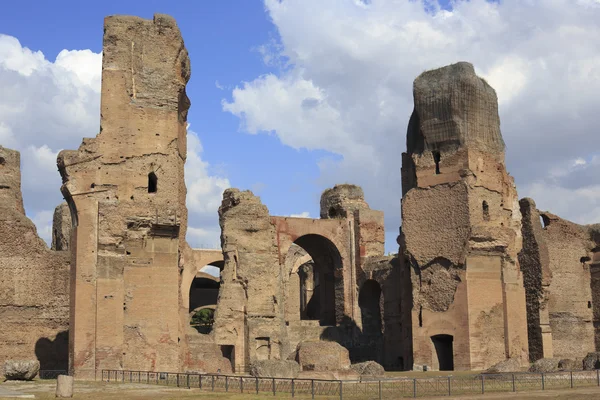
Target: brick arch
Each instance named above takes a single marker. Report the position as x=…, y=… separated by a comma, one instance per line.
x=328, y=242
x=195, y=260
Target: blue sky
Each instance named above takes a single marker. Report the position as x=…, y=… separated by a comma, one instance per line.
x=291, y=97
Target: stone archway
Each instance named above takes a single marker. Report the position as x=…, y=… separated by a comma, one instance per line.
x=321, y=282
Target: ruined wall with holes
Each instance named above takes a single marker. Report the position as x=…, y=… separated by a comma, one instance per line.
x=277, y=268
x=126, y=190
x=461, y=227
x=560, y=265
x=34, y=281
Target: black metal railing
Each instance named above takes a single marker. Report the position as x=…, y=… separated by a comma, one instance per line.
x=388, y=388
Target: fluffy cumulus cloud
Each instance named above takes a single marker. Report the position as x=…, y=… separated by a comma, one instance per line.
x=345, y=85
x=47, y=106
x=204, y=195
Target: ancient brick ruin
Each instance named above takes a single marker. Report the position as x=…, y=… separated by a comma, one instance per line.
x=479, y=277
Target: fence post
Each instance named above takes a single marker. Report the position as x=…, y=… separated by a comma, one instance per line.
x=482, y=384
x=273, y=386
x=148, y=378
x=123, y=376
x=199, y=381
x=312, y=388
x=571, y=379
x=414, y=387
x=256, y=385
x=212, y=383
x=241, y=384
x=226, y=383
x=157, y=378
x=543, y=382
x=380, y=390
x=449, y=386
x=292, y=387
x=513, y=379
x=598, y=376
x=341, y=388
x=178, y=379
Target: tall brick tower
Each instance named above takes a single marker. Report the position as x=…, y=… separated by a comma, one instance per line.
x=464, y=307
x=126, y=192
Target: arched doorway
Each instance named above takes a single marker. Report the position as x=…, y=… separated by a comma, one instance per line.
x=443, y=352
x=321, y=281
x=369, y=301
x=203, y=296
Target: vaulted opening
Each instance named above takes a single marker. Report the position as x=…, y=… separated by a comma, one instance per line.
x=370, y=303
x=204, y=292
x=321, y=289
x=444, y=352
x=152, y=183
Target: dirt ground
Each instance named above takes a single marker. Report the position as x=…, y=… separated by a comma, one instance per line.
x=45, y=390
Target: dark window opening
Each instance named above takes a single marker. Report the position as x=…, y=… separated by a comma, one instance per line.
x=333, y=213
x=369, y=301
x=545, y=220
x=444, y=351
x=228, y=351
x=421, y=316
x=152, y=182
x=584, y=259
x=486, y=211
x=589, y=304
x=2, y=161
x=437, y=157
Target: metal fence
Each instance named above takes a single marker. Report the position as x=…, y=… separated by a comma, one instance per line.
x=389, y=388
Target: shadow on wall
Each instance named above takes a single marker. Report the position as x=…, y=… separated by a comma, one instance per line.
x=361, y=346
x=53, y=354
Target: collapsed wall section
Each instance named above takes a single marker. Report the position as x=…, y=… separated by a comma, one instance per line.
x=126, y=191
x=34, y=281
x=561, y=283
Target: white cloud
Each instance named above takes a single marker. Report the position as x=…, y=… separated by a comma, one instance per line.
x=48, y=106
x=43, y=222
x=304, y=214
x=204, y=195
x=348, y=67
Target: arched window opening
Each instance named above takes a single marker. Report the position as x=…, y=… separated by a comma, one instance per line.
x=545, y=221
x=444, y=352
x=321, y=289
x=486, y=211
x=369, y=301
x=204, y=293
x=2, y=161
x=152, y=183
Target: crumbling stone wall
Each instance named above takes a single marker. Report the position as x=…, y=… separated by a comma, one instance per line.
x=61, y=227
x=268, y=259
x=34, y=281
x=535, y=264
x=126, y=191
x=461, y=229
x=559, y=266
x=248, y=314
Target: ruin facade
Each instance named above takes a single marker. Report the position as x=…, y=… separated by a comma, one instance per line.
x=34, y=281
x=478, y=277
x=464, y=302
